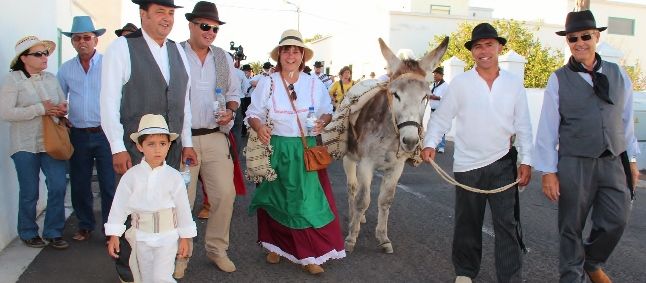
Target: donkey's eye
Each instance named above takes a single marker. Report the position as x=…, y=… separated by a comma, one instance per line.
x=396, y=96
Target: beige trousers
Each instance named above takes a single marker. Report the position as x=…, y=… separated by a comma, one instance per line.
x=216, y=168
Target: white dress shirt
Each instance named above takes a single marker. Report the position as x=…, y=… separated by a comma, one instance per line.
x=203, y=87
x=310, y=91
x=485, y=120
x=143, y=189
x=116, y=73
x=545, y=154
x=439, y=91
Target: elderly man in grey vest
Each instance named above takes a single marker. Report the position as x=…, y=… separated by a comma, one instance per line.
x=211, y=68
x=145, y=73
x=584, y=141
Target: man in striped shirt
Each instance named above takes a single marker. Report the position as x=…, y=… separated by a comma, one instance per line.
x=80, y=79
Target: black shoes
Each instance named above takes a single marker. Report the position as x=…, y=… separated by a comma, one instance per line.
x=35, y=242
x=58, y=243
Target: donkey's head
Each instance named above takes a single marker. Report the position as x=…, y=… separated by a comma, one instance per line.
x=408, y=90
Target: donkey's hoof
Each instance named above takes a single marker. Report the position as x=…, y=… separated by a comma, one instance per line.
x=363, y=219
x=387, y=247
x=349, y=247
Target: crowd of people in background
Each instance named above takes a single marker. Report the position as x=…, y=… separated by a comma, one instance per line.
x=150, y=108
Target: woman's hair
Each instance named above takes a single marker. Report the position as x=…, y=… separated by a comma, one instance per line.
x=20, y=65
x=279, y=67
x=345, y=68
x=142, y=138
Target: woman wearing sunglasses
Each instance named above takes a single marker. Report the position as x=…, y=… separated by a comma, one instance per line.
x=297, y=217
x=28, y=93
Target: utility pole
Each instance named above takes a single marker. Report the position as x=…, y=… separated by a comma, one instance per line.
x=298, y=12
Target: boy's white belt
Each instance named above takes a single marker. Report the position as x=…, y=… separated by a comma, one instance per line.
x=155, y=222
x=152, y=222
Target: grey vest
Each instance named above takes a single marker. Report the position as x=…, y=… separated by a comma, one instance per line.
x=590, y=126
x=147, y=92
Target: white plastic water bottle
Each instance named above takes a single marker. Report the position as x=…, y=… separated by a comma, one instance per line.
x=310, y=121
x=186, y=174
x=219, y=105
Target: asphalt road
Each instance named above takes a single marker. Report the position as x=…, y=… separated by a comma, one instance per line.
x=420, y=228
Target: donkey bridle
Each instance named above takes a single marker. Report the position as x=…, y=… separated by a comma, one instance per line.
x=408, y=123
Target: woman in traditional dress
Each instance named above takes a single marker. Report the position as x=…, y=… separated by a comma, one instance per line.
x=297, y=217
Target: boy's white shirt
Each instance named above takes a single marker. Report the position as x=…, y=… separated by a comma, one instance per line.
x=144, y=189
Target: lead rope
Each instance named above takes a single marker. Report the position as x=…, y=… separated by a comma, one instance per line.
x=452, y=181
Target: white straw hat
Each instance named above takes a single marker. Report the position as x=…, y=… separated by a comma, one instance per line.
x=292, y=37
x=152, y=124
x=28, y=42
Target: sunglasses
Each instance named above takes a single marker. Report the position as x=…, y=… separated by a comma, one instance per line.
x=84, y=37
x=207, y=27
x=292, y=94
x=584, y=37
x=39, y=54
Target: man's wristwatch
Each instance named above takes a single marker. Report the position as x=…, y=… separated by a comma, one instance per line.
x=633, y=158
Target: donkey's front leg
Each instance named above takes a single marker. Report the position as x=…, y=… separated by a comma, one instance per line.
x=350, y=168
x=386, y=197
x=360, y=203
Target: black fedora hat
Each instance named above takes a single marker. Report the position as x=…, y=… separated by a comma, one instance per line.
x=205, y=10
x=318, y=64
x=167, y=3
x=246, y=67
x=439, y=70
x=128, y=27
x=482, y=31
x=578, y=21
x=267, y=65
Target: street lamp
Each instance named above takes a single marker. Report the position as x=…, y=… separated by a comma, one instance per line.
x=298, y=12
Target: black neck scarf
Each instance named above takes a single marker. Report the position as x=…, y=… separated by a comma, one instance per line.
x=599, y=80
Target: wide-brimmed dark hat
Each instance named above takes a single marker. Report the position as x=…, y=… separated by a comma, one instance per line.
x=167, y=3
x=267, y=65
x=578, y=21
x=205, y=10
x=246, y=67
x=482, y=31
x=439, y=70
x=318, y=64
x=128, y=27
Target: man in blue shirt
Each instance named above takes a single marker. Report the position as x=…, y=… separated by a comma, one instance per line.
x=80, y=79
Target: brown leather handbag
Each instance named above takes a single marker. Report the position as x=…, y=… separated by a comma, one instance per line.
x=56, y=139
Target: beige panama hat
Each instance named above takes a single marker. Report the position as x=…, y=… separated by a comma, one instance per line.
x=152, y=124
x=292, y=37
x=28, y=42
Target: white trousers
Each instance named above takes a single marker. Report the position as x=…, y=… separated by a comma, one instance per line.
x=156, y=264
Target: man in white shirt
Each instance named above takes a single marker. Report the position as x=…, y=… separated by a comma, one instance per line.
x=438, y=89
x=247, y=89
x=266, y=71
x=145, y=73
x=584, y=139
x=490, y=106
x=211, y=67
x=325, y=78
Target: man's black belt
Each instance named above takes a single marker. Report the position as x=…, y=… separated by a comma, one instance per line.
x=93, y=130
x=201, y=132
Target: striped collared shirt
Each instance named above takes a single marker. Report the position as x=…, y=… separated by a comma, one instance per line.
x=82, y=91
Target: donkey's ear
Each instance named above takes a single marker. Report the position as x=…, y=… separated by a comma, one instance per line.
x=391, y=59
x=431, y=59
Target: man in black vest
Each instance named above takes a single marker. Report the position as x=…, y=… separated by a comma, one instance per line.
x=586, y=149
x=145, y=73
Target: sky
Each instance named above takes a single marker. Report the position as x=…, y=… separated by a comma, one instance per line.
x=258, y=24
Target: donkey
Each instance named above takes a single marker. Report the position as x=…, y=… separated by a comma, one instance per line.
x=387, y=132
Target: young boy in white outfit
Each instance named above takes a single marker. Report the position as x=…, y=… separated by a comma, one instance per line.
x=154, y=194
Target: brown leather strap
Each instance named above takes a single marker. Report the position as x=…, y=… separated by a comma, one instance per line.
x=295, y=112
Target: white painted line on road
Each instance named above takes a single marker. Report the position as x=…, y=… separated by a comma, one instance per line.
x=422, y=197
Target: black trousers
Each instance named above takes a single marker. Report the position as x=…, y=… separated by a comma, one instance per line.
x=469, y=217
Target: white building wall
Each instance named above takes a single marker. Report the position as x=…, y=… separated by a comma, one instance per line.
x=41, y=23
x=631, y=46
x=458, y=7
